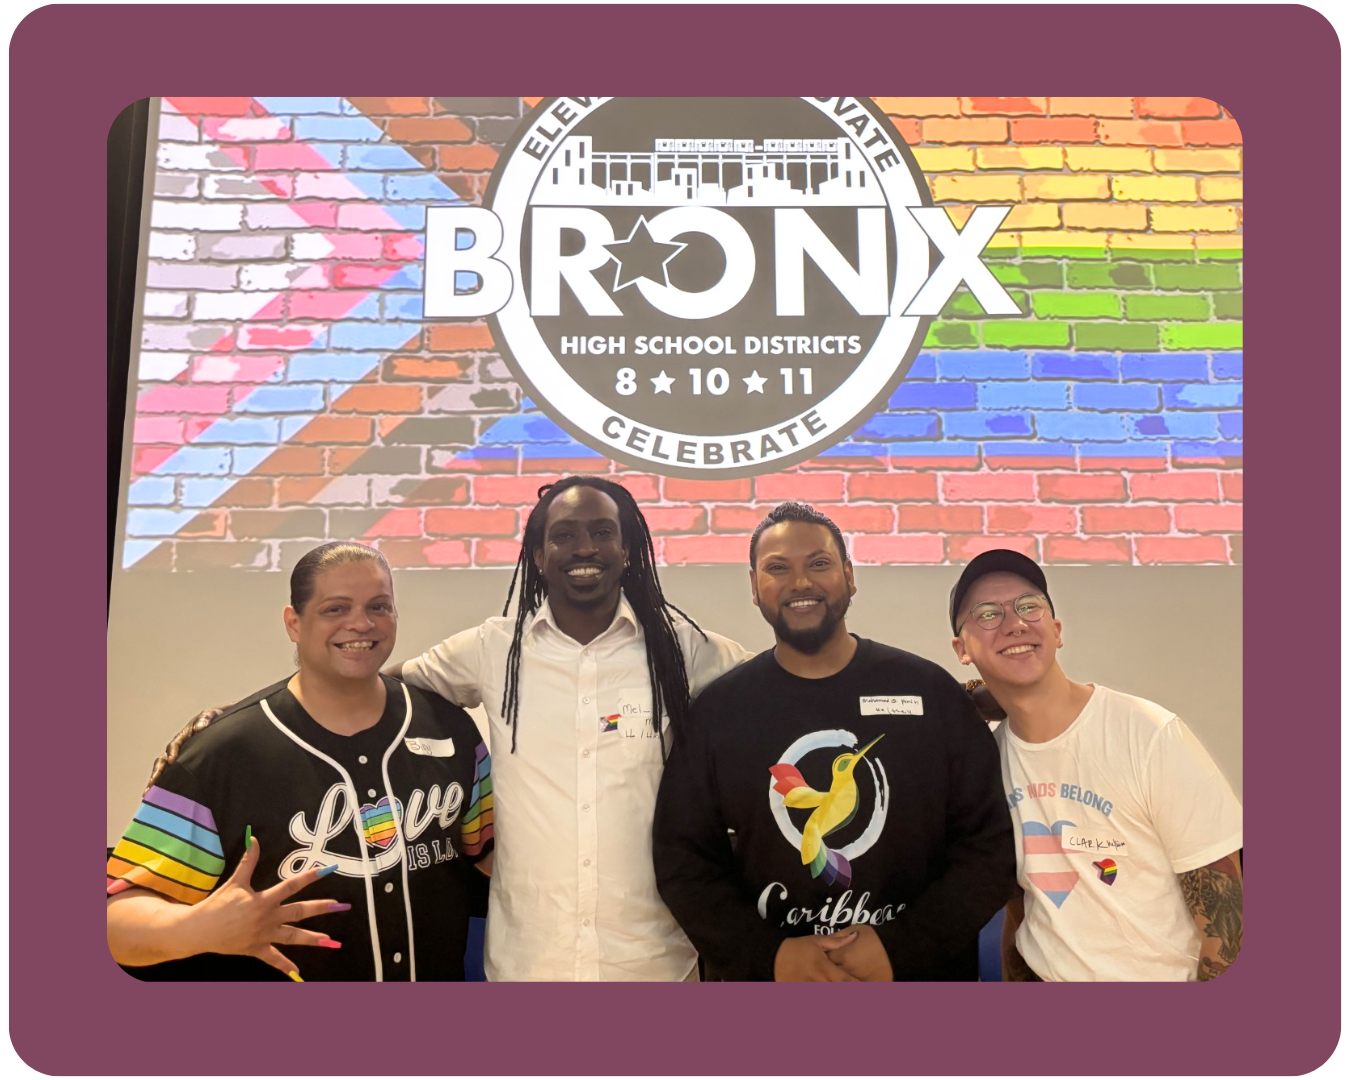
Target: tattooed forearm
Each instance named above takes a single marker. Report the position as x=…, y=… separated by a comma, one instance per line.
x=1214, y=895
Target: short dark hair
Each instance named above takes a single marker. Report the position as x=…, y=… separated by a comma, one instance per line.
x=315, y=562
x=796, y=511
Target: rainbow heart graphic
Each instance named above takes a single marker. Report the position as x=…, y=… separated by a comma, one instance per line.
x=1045, y=859
x=380, y=822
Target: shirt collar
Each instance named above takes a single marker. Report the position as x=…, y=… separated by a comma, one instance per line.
x=544, y=617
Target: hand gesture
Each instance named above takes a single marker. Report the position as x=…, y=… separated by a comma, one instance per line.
x=864, y=957
x=239, y=921
x=807, y=959
x=200, y=722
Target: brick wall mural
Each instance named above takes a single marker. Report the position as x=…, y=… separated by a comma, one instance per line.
x=289, y=391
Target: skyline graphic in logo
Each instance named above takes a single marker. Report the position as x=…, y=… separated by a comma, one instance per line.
x=833, y=808
x=707, y=286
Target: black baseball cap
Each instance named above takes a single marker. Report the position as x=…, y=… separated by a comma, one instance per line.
x=993, y=562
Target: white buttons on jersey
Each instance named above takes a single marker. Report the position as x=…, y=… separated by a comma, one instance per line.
x=363, y=759
x=388, y=886
x=586, y=806
x=371, y=792
x=398, y=958
x=585, y=701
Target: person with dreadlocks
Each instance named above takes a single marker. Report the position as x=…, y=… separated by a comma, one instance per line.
x=582, y=689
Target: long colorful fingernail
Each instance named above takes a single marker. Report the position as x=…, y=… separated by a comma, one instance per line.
x=295, y=975
x=329, y=943
x=120, y=885
x=339, y=907
x=248, y=837
x=327, y=870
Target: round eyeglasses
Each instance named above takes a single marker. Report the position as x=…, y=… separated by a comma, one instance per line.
x=1030, y=608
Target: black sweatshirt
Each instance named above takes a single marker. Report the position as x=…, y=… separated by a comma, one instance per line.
x=927, y=856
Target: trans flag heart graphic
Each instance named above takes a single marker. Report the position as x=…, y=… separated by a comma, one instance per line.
x=1047, y=860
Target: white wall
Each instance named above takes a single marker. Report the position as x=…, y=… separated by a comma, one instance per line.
x=180, y=642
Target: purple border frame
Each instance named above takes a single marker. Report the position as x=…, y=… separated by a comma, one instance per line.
x=1276, y=68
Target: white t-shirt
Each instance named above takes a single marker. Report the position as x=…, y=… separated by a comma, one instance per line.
x=573, y=894
x=1106, y=815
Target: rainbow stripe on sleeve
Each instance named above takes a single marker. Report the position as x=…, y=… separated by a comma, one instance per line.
x=476, y=828
x=171, y=846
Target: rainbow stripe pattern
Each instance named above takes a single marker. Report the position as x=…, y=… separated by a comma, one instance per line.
x=171, y=846
x=1106, y=870
x=609, y=723
x=379, y=822
x=476, y=828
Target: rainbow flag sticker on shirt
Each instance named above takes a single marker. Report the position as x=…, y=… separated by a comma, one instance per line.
x=1106, y=870
x=609, y=723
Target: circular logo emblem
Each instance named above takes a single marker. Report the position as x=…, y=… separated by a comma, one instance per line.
x=709, y=286
x=833, y=804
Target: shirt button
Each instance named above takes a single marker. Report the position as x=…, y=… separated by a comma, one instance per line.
x=363, y=759
x=398, y=958
x=586, y=806
x=585, y=922
x=585, y=862
x=388, y=886
x=585, y=701
x=585, y=652
x=371, y=792
x=585, y=753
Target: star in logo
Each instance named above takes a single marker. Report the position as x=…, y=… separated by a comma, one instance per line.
x=641, y=256
x=662, y=382
x=754, y=382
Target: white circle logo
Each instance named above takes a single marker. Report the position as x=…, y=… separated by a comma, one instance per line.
x=705, y=287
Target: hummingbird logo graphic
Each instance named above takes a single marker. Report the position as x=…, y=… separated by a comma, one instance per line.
x=831, y=811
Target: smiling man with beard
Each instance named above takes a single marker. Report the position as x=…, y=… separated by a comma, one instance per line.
x=832, y=810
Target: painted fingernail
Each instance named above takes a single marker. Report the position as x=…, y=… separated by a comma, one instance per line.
x=248, y=837
x=339, y=907
x=295, y=975
x=329, y=943
x=327, y=870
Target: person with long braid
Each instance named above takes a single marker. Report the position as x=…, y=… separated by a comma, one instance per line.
x=581, y=688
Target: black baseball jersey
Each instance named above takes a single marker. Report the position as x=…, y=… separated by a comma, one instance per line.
x=871, y=796
x=400, y=808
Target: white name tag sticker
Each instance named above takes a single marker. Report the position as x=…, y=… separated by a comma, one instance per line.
x=890, y=706
x=431, y=747
x=635, y=716
x=1094, y=842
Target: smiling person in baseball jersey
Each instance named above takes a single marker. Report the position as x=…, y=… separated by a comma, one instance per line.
x=383, y=790
x=1128, y=836
x=868, y=835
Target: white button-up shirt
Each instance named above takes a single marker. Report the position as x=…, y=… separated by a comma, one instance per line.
x=573, y=895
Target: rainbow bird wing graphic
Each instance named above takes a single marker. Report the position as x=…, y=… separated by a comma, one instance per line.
x=797, y=793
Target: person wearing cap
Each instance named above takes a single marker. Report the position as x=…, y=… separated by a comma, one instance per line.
x=1129, y=837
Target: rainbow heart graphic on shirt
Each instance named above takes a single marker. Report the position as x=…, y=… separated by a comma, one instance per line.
x=380, y=821
x=1045, y=859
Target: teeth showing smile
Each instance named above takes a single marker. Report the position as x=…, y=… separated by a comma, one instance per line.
x=357, y=646
x=1017, y=650
x=803, y=604
x=584, y=571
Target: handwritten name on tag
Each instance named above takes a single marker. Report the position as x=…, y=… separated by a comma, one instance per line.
x=890, y=705
x=1093, y=842
x=431, y=747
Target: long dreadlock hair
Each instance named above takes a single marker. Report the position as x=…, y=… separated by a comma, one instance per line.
x=665, y=659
